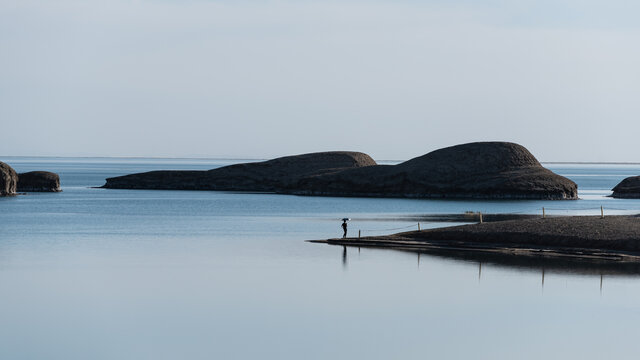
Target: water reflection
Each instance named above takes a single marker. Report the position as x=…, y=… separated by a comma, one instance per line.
x=544, y=265
x=344, y=258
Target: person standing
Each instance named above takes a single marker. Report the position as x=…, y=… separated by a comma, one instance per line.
x=344, y=227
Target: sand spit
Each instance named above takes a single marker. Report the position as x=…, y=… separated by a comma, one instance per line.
x=615, y=238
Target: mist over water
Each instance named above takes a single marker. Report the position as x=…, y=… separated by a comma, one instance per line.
x=131, y=274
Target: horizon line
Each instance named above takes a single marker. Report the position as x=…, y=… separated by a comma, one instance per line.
x=264, y=159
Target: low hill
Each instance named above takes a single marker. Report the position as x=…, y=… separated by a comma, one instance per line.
x=476, y=170
x=272, y=175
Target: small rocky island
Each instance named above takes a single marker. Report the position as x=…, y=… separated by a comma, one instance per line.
x=483, y=170
x=628, y=188
x=33, y=181
x=605, y=238
x=38, y=181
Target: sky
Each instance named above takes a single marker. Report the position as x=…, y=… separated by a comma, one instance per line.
x=261, y=79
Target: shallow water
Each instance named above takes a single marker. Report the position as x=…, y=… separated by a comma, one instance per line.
x=130, y=274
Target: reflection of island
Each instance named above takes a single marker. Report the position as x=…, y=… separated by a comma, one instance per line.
x=542, y=265
x=611, y=239
x=550, y=265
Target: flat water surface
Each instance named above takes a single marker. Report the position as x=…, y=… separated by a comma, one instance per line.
x=131, y=274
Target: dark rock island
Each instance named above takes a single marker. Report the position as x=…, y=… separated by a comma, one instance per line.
x=8, y=180
x=496, y=170
x=628, y=188
x=38, y=181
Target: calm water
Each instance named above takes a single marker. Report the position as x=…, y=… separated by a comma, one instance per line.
x=125, y=274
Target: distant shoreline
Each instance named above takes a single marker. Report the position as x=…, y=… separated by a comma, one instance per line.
x=590, y=162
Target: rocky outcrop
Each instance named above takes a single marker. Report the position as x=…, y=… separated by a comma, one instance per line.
x=275, y=175
x=628, y=188
x=8, y=180
x=494, y=170
x=38, y=181
x=488, y=170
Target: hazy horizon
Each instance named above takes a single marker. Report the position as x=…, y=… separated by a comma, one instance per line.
x=380, y=161
x=257, y=80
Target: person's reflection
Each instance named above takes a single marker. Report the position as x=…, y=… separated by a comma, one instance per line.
x=344, y=258
x=600, y=284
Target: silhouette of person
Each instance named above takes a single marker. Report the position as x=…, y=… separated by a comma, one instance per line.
x=344, y=227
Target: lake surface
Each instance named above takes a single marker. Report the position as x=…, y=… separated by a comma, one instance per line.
x=133, y=274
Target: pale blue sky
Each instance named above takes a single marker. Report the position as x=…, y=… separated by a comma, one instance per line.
x=395, y=79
